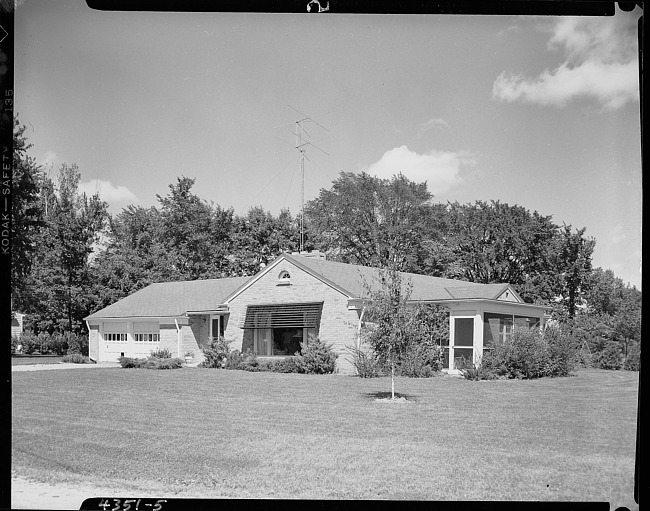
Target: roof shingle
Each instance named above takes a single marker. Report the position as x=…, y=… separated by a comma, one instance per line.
x=169, y=299
x=351, y=278
x=165, y=299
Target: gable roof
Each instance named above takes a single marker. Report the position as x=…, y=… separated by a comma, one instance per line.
x=349, y=279
x=168, y=299
x=171, y=299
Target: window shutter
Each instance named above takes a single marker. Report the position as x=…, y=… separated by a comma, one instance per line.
x=286, y=315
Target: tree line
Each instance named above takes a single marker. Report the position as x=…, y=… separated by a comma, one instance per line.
x=71, y=257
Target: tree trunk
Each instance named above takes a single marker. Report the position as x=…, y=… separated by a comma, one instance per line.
x=69, y=308
x=392, y=380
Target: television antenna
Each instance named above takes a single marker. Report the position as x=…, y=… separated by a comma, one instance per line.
x=301, y=144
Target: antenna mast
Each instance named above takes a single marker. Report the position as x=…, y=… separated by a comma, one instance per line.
x=300, y=145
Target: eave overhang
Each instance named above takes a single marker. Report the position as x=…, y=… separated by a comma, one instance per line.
x=182, y=320
x=359, y=303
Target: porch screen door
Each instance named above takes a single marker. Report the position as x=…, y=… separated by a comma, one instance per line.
x=463, y=340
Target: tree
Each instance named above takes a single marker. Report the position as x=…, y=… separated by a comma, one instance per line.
x=195, y=232
x=572, y=261
x=373, y=222
x=404, y=336
x=387, y=310
x=59, y=280
x=26, y=213
x=607, y=295
x=602, y=294
x=133, y=257
x=495, y=242
x=259, y=237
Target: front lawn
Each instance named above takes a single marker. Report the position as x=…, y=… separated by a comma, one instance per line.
x=241, y=434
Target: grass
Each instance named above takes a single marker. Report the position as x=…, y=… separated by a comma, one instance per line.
x=21, y=359
x=268, y=435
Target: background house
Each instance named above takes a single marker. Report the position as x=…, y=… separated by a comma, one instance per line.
x=17, y=324
x=271, y=312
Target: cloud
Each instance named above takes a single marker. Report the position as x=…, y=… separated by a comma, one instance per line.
x=435, y=123
x=108, y=192
x=48, y=160
x=600, y=62
x=440, y=169
x=511, y=29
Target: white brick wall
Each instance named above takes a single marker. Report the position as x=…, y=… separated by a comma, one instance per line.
x=169, y=338
x=338, y=324
x=195, y=336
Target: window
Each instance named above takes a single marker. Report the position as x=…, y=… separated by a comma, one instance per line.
x=147, y=337
x=115, y=337
x=217, y=326
x=146, y=332
x=497, y=328
x=279, y=342
x=284, y=278
x=279, y=328
x=286, y=341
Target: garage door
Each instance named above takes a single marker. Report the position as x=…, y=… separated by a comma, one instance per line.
x=113, y=342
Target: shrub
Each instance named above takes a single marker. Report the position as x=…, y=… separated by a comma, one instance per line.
x=128, y=362
x=161, y=353
x=15, y=341
x=633, y=359
x=250, y=362
x=216, y=352
x=564, y=353
x=285, y=365
x=76, y=343
x=43, y=342
x=76, y=358
x=527, y=354
x=56, y=343
x=365, y=363
x=485, y=369
x=316, y=357
x=151, y=363
x=609, y=357
x=288, y=365
x=234, y=360
x=164, y=363
x=29, y=342
x=421, y=361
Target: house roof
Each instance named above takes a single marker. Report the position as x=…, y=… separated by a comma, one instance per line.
x=350, y=279
x=168, y=299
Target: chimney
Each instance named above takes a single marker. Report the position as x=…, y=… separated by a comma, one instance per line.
x=316, y=254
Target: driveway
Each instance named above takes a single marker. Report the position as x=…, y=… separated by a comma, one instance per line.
x=62, y=365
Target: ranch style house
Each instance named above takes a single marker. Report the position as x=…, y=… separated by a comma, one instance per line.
x=295, y=295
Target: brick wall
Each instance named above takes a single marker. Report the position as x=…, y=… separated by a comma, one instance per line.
x=338, y=324
x=169, y=338
x=195, y=336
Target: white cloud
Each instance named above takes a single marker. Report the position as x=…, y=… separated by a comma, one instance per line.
x=48, y=160
x=435, y=123
x=600, y=62
x=110, y=193
x=440, y=169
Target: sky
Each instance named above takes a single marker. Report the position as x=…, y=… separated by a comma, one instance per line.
x=542, y=112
